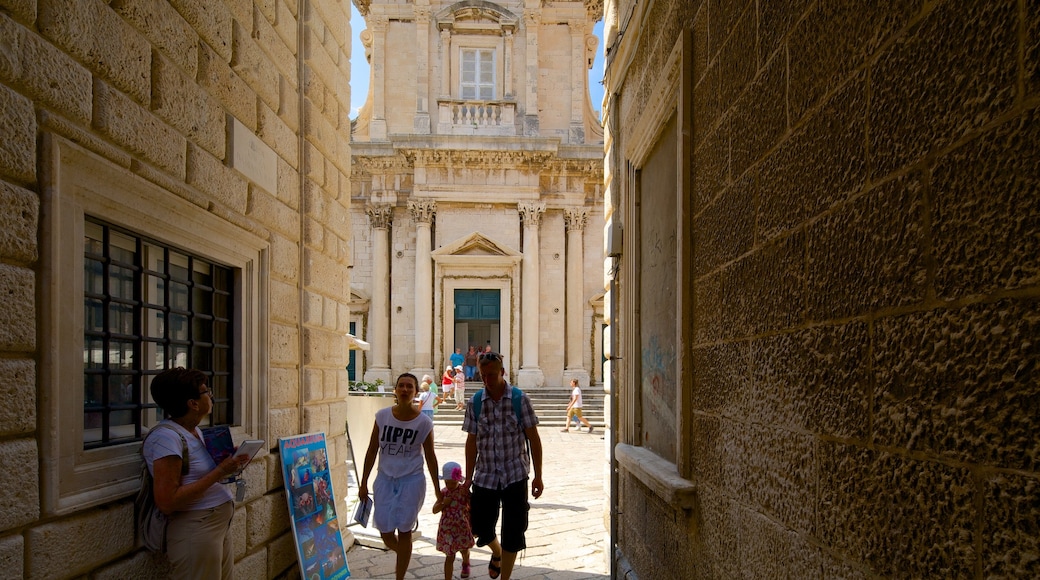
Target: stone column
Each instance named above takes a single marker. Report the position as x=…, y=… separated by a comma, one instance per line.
x=532, y=21
x=377, y=128
x=530, y=374
x=575, y=219
x=507, y=66
x=421, y=122
x=578, y=72
x=380, y=217
x=445, y=63
x=423, y=211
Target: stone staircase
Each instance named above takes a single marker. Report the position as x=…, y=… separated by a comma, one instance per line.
x=550, y=403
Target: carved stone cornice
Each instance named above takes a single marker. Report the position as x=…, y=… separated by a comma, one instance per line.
x=422, y=14
x=531, y=213
x=477, y=159
x=591, y=168
x=363, y=6
x=575, y=218
x=423, y=210
x=380, y=215
x=594, y=8
x=380, y=165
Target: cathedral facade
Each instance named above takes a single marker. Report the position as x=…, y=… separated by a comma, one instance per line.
x=476, y=166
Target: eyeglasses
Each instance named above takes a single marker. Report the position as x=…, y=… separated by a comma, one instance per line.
x=489, y=356
x=205, y=392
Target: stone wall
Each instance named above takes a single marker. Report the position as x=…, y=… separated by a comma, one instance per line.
x=866, y=273
x=153, y=91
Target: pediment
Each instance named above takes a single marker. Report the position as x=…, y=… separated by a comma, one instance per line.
x=476, y=245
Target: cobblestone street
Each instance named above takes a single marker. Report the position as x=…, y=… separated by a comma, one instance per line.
x=568, y=531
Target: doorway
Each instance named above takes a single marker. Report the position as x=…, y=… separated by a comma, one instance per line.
x=478, y=319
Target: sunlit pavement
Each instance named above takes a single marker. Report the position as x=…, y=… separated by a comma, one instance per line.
x=568, y=533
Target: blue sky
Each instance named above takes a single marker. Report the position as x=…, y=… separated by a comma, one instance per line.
x=359, y=71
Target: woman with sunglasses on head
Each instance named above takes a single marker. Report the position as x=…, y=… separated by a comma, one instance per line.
x=198, y=542
x=401, y=437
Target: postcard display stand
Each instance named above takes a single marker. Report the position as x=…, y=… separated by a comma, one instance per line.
x=312, y=510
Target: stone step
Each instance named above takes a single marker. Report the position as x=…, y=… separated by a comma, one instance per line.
x=550, y=404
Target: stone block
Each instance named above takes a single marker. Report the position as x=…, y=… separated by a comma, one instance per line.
x=313, y=385
x=927, y=91
x=722, y=369
x=721, y=455
x=284, y=384
x=284, y=422
x=44, y=72
x=725, y=228
x=254, y=66
x=765, y=290
x=759, y=117
x=1031, y=18
x=223, y=184
x=285, y=294
x=961, y=383
x=18, y=316
x=252, y=566
x=18, y=415
x=281, y=555
x=324, y=273
x=285, y=258
x=19, y=503
x=285, y=346
x=289, y=106
x=72, y=546
x=272, y=130
x=819, y=166
x=814, y=380
x=96, y=36
x=24, y=10
x=282, y=56
x=288, y=184
x=832, y=40
x=86, y=138
x=212, y=22
x=336, y=18
x=1011, y=526
x=17, y=136
x=141, y=132
x=238, y=532
x=897, y=515
x=181, y=102
x=164, y=28
x=224, y=84
x=782, y=475
x=270, y=211
x=868, y=255
x=18, y=223
x=737, y=59
x=315, y=418
x=142, y=565
x=285, y=24
x=768, y=550
x=267, y=518
x=12, y=555
x=710, y=167
x=985, y=213
x=719, y=532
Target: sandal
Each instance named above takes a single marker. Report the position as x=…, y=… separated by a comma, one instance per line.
x=493, y=566
x=465, y=570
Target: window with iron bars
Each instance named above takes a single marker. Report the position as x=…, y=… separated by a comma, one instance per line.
x=149, y=307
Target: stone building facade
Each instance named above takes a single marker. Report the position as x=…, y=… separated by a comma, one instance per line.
x=174, y=177
x=828, y=291
x=477, y=160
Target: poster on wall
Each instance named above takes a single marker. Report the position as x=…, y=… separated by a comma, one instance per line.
x=308, y=490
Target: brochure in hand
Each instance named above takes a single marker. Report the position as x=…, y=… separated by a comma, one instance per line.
x=218, y=442
x=363, y=511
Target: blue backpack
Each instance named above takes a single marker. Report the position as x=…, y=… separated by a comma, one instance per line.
x=517, y=396
x=478, y=402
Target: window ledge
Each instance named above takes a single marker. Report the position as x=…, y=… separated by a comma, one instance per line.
x=660, y=475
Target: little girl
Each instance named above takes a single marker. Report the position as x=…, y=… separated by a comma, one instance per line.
x=454, y=533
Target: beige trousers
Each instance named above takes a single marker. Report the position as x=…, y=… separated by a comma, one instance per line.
x=198, y=543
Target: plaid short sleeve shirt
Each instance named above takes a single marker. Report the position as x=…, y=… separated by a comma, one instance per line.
x=501, y=443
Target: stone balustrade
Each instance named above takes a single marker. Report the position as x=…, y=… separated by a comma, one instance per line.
x=462, y=117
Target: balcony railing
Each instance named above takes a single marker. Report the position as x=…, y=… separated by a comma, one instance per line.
x=458, y=117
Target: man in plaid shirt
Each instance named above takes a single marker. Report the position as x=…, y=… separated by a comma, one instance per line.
x=497, y=466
